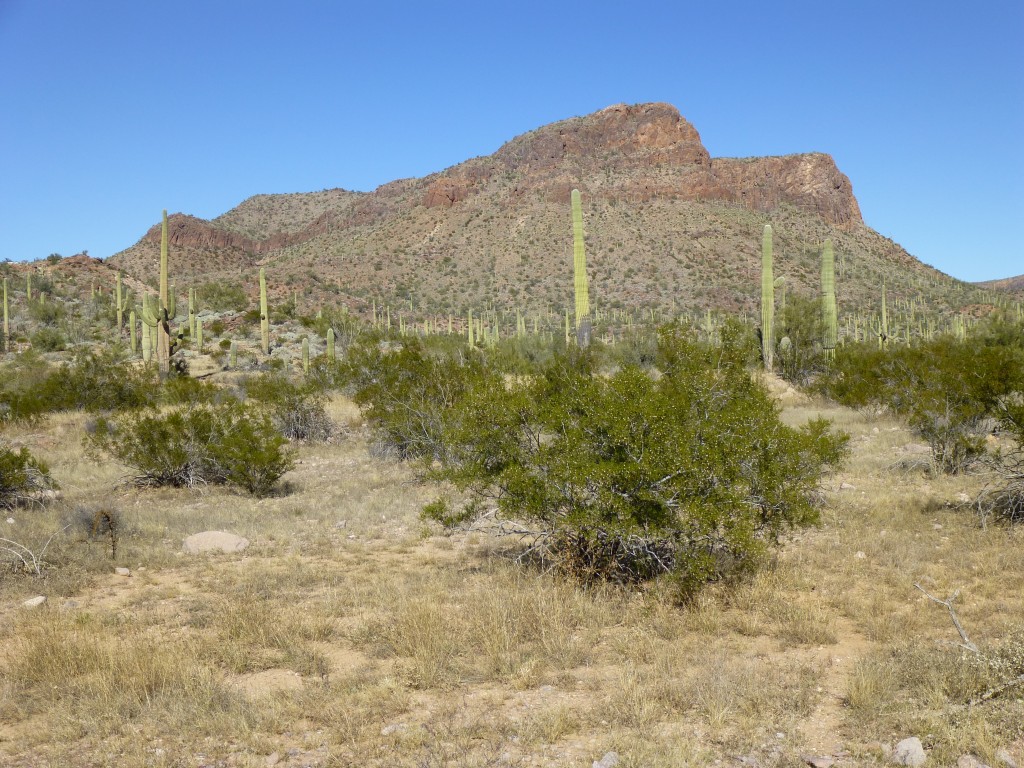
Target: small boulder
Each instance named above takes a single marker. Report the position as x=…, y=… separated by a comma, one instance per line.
x=34, y=602
x=969, y=761
x=122, y=572
x=909, y=752
x=610, y=760
x=1004, y=759
x=214, y=541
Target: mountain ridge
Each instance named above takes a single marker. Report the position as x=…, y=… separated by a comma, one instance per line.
x=667, y=225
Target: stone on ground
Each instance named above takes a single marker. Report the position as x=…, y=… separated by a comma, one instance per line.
x=214, y=541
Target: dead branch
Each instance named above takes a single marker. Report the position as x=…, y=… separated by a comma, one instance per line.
x=967, y=645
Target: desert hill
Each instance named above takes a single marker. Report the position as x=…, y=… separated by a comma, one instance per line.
x=668, y=226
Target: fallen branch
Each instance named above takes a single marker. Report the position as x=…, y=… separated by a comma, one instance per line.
x=967, y=645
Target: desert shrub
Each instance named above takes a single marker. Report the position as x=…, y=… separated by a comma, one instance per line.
x=1003, y=498
x=298, y=409
x=229, y=442
x=221, y=296
x=92, y=381
x=798, y=334
x=406, y=392
x=48, y=340
x=22, y=476
x=689, y=473
x=949, y=391
x=47, y=313
x=182, y=390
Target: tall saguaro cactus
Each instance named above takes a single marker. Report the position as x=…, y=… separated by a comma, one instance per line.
x=121, y=302
x=579, y=263
x=7, y=319
x=829, y=315
x=264, y=314
x=159, y=318
x=767, y=299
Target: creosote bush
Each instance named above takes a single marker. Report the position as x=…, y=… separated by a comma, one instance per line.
x=298, y=409
x=950, y=391
x=683, y=472
x=22, y=476
x=225, y=443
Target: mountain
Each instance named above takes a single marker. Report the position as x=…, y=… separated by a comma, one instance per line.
x=667, y=226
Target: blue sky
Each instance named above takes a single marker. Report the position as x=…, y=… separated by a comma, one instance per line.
x=113, y=110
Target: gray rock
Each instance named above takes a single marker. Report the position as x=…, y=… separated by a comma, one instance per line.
x=34, y=602
x=122, y=572
x=909, y=752
x=1003, y=757
x=214, y=541
x=388, y=730
x=610, y=760
x=818, y=761
x=969, y=761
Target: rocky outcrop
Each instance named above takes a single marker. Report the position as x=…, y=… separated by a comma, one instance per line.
x=646, y=151
x=811, y=183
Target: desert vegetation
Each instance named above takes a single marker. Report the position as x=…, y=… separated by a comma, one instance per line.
x=507, y=537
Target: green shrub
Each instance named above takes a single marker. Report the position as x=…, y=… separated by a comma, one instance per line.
x=221, y=296
x=689, y=473
x=208, y=444
x=949, y=391
x=92, y=381
x=298, y=410
x=48, y=340
x=22, y=476
x=405, y=392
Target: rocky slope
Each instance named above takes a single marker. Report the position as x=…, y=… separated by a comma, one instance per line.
x=667, y=226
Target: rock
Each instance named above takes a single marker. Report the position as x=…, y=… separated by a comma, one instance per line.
x=10, y=521
x=273, y=759
x=860, y=555
x=847, y=487
x=909, y=752
x=609, y=760
x=388, y=730
x=969, y=761
x=963, y=498
x=214, y=541
x=1003, y=758
x=122, y=572
x=34, y=602
x=822, y=761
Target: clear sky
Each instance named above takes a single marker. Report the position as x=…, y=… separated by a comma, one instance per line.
x=111, y=110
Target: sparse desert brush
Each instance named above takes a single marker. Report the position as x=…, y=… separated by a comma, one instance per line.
x=298, y=408
x=950, y=391
x=229, y=442
x=22, y=476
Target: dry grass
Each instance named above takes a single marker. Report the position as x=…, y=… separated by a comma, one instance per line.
x=351, y=634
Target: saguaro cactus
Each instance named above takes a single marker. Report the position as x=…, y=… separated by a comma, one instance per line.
x=264, y=314
x=305, y=355
x=829, y=316
x=192, y=312
x=330, y=344
x=199, y=335
x=233, y=355
x=132, y=338
x=7, y=319
x=159, y=318
x=767, y=299
x=120, y=301
x=579, y=262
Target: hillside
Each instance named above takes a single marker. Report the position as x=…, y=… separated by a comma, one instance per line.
x=668, y=226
